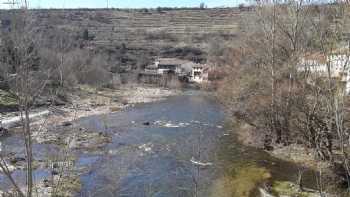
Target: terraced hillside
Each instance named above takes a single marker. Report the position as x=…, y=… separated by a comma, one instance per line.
x=142, y=34
x=146, y=33
x=138, y=28
x=144, y=29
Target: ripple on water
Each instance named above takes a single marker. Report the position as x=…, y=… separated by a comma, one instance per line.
x=156, y=158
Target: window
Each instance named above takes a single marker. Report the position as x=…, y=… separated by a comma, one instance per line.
x=197, y=74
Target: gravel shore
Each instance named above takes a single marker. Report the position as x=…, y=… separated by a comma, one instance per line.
x=94, y=102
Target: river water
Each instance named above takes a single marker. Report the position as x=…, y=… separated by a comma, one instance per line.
x=155, y=149
x=155, y=159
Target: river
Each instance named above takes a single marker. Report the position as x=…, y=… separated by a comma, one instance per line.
x=155, y=149
x=155, y=159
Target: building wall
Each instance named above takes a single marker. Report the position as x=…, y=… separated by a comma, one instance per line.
x=191, y=71
x=166, y=68
x=197, y=75
x=339, y=67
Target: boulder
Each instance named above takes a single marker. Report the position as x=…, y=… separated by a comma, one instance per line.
x=15, y=160
x=66, y=124
x=3, y=132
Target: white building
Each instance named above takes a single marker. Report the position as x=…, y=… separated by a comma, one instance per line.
x=196, y=73
x=199, y=73
x=169, y=65
x=338, y=63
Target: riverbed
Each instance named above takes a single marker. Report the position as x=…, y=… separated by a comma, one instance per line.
x=152, y=148
x=180, y=146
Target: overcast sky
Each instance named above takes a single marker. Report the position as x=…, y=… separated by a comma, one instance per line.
x=121, y=3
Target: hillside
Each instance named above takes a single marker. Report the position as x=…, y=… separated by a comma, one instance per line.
x=185, y=33
x=132, y=38
x=138, y=28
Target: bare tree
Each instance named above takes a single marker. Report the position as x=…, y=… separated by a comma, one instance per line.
x=273, y=95
x=27, y=81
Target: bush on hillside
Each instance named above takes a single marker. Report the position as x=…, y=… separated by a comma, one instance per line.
x=161, y=35
x=188, y=53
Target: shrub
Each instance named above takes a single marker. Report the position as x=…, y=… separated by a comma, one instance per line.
x=86, y=34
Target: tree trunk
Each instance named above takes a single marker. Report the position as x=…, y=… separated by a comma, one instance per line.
x=29, y=154
x=61, y=71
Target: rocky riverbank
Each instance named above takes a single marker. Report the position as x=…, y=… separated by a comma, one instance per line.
x=88, y=101
x=300, y=156
x=54, y=127
x=94, y=102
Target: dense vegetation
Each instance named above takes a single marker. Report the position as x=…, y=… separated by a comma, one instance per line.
x=284, y=106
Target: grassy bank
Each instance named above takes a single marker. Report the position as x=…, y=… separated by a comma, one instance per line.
x=8, y=101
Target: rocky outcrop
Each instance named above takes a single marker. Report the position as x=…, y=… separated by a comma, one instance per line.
x=3, y=131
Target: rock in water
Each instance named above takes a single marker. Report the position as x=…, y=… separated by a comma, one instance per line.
x=199, y=163
x=15, y=160
x=264, y=193
x=3, y=131
x=66, y=124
